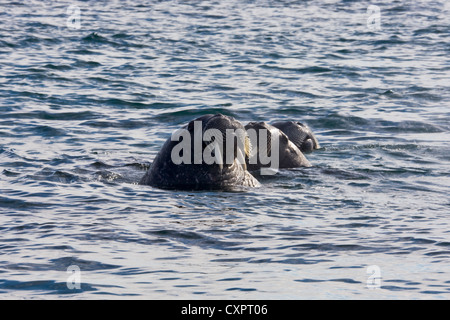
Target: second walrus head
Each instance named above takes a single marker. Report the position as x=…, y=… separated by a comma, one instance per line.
x=299, y=133
x=271, y=148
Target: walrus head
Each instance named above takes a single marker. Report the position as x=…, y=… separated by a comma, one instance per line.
x=272, y=148
x=208, y=153
x=224, y=138
x=300, y=134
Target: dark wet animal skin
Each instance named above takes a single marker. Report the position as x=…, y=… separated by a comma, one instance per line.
x=300, y=134
x=289, y=154
x=165, y=174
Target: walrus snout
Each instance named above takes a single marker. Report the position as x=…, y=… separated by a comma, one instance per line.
x=227, y=138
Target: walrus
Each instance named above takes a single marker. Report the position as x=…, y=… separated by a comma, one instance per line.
x=264, y=154
x=206, y=154
x=300, y=134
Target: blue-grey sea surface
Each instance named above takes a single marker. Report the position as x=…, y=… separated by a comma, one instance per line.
x=90, y=90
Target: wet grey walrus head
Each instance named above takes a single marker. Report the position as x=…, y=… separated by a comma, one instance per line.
x=288, y=155
x=300, y=134
x=206, y=154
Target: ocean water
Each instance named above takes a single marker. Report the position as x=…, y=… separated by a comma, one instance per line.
x=90, y=90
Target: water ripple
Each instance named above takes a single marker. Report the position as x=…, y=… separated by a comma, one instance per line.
x=83, y=112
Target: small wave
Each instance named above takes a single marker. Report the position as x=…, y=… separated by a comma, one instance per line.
x=295, y=93
x=122, y=35
x=344, y=280
x=31, y=40
x=194, y=238
x=391, y=94
x=341, y=121
x=44, y=131
x=127, y=124
x=426, y=96
x=182, y=116
x=344, y=174
x=7, y=44
x=83, y=52
x=94, y=37
x=313, y=69
x=433, y=29
x=86, y=64
x=28, y=94
x=44, y=286
x=10, y=173
x=116, y=102
x=51, y=175
x=392, y=40
x=61, y=264
x=20, y=204
x=62, y=67
x=410, y=127
x=46, y=115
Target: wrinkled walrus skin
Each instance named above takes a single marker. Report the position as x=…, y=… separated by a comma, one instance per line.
x=300, y=134
x=289, y=155
x=165, y=174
